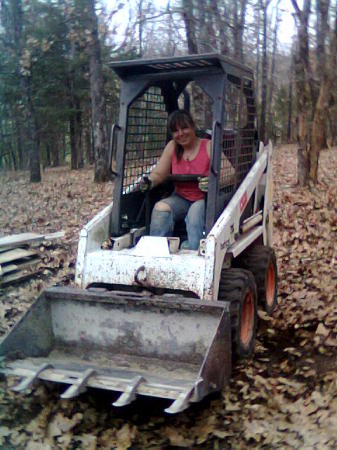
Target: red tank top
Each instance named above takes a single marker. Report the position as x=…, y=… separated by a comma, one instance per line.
x=199, y=165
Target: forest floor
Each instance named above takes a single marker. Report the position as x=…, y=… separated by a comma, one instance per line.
x=285, y=396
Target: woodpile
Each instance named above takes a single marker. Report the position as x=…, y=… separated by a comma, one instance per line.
x=21, y=255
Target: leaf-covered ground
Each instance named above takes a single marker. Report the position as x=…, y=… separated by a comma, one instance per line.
x=284, y=397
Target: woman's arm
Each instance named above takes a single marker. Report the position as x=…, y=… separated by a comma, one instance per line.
x=208, y=148
x=163, y=167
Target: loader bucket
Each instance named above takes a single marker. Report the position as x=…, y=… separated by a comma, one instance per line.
x=160, y=346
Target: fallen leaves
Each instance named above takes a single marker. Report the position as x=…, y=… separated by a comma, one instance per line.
x=177, y=438
x=284, y=397
x=61, y=424
x=44, y=208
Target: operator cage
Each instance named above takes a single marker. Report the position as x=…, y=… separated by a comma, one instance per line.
x=218, y=92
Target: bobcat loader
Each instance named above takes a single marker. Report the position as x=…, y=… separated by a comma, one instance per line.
x=148, y=317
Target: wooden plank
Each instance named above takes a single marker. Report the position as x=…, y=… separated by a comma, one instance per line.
x=17, y=253
x=8, y=268
x=8, y=247
x=16, y=240
x=56, y=235
x=16, y=277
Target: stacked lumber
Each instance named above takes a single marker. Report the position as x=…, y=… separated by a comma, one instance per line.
x=20, y=256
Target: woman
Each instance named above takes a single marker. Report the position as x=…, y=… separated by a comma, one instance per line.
x=184, y=154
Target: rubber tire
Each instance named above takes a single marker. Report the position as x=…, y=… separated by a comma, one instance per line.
x=261, y=261
x=238, y=287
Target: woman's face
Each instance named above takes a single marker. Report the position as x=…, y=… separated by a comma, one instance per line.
x=184, y=135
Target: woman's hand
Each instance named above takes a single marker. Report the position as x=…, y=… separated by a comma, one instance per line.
x=203, y=184
x=145, y=183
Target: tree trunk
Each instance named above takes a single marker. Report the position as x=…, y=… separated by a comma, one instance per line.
x=303, y=91
x=64, y=148
x=34, y=154
x=89, y=148
x=319, y=134
x=202, y=32
x=189, y=21
x=17, y=12
x=313, y=107
x=18, y=132
x=258, y=52
x=239, y=15
x=48, y=155
x=319, y=126
x=13, y=156
x=171, y=27
x=290, y=104
x=302, y=167
x=98, y=105
x=78, y=122
x=271, y=78
x=73, y=147
x=75, y=107
x=220, y=41
x=322, y=11
x=140, y=27
x=264, y=82
x=55, y=156
x=333, y=126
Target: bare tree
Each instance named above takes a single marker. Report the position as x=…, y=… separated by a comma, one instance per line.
x=290, y=103
x=272, y=73
x=239, y=18
x=34, y=153
x=191, y=35
x=221, y=34
x=322, y=12
x=312, y=98
x=171, y=42
x=98, y=105
x=258, y=51
x=140, y=27
x=319, y=126
x=303, y=96
x=264, y=77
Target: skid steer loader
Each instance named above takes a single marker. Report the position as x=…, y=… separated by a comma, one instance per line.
x=148, y=317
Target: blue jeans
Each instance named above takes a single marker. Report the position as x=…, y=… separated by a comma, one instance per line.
x=162, y=222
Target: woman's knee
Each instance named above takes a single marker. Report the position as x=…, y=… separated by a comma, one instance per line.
x=196, y=213
x=161, y=222
x=162, y=206
x=195, y=223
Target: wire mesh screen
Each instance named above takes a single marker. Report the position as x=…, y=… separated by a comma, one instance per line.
x=238, y=132
x=146, y=136
x=200, y=105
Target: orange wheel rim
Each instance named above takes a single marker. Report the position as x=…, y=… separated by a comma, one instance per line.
x=270, y=291
x=247, y=319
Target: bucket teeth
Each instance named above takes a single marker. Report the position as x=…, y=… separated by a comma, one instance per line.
x=79, y=386
x=28, y=381
x=130, y=392
x=180, y=403
x=183, y=400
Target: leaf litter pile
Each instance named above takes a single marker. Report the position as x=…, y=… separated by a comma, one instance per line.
x=283, y=397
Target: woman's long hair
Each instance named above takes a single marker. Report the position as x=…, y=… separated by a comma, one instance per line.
x=180, y=119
